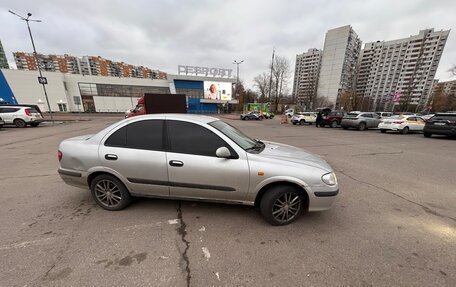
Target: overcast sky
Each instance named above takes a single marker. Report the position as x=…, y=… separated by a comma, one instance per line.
x=163, y=34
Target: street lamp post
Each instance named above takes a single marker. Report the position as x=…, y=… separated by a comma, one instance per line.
x=27, y=20
x=237, y=63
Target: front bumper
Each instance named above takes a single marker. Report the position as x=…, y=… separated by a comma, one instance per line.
x=322, y=198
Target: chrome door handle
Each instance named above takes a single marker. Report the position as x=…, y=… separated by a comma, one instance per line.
x=111, y=157
x=177, y=163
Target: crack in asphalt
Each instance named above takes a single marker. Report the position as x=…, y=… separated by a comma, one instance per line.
x=183, y=233
x=378, y=153
x=424, y=207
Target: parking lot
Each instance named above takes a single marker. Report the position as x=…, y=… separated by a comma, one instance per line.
x=393, y=224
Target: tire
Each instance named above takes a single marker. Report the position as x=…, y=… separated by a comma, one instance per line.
x=405, y=130
x=427, y=135
x=35, y=124
x=333, y=124
x=362, y=126
x=276, y=197
x=119, y=197
x=383, y=131
x=260, y=118
x=20, y=123
x=302, y=122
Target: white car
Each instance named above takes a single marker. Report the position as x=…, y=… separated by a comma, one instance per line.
x=289, y=112
x=304, y=118
x=20, y=116
x=402, y=124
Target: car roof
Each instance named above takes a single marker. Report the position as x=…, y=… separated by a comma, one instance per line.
x=185, y=117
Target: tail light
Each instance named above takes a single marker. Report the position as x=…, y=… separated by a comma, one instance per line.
x=59, y=155
x=27, y=112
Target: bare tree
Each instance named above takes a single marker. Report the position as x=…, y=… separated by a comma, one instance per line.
x=261, y=84
x=281, y=74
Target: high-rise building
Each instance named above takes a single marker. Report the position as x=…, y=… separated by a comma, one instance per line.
x=3, y=60
x=338, y=64
x=86, y=65
x=400, y=72
x=306, y=77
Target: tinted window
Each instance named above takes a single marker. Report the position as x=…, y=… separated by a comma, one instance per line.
x=146, y=135
x=190, y=138
x=367, y=115
x=8, y=110
x=444, y=118
x=411, y=119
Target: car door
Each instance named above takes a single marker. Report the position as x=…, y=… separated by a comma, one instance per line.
x=420, y=122
x=195, y=171
x=8, y=114
x=136, y=151
x=367, y=117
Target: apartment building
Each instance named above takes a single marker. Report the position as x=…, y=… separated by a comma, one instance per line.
x=86, y=65
x=338, y=64
x=400, y=72
x=305, y=80
x=3, y=60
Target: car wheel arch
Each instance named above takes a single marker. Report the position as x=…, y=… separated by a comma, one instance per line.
x=270, y=185
x=92, y=175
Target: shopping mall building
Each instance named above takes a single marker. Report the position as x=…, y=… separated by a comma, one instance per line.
x=206, y=92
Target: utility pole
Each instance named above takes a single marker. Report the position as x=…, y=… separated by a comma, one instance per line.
x=237, y=63
x=27, y=20
x=270, y=77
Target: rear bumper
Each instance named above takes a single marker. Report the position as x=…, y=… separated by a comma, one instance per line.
x=74, y=177
x=450, y=131
x=389, y=127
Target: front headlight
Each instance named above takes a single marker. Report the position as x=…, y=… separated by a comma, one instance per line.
x=329, y=178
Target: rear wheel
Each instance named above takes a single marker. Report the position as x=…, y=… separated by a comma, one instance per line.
x=383, y=131
x=427, y=135
x=333, y=124
x=20, y=123
x=302, y=122
x=362, y=126
x=405, y=130
x=109, y=192
x=260, y=118
x=281, y=205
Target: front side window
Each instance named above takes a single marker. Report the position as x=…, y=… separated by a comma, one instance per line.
x=190, y=138
x=147, y=135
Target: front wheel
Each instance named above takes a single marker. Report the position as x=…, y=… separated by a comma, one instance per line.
x=109, y=192
x=333, y=124
x=281, y=205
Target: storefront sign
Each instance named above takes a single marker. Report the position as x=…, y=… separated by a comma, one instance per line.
x=204, y=71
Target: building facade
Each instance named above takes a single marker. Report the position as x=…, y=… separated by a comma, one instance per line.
x=400, y=72
x=3, y=59
x=86, y=65
x=305, y=80
x=338, y=64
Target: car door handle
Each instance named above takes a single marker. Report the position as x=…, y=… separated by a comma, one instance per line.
x=111, y=157
x=177, y=163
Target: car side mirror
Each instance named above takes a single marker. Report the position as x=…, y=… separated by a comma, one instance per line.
x=223, y=152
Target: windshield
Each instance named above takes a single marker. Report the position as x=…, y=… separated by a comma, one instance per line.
x=235, y=135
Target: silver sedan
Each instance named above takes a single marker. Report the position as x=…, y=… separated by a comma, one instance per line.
x=194, y=157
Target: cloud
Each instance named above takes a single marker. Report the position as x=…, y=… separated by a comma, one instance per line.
x=214, y=33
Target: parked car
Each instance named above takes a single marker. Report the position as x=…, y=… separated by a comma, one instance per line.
x=360, y=121
x=333, y=118
x=2, y=122
x=268, y=115
x=289, y=112
x=304, y=118
x=384, y=114
x=402, y=124
x=427, y=117
x=202, y=158
x=251, y=116
x=440, y=124
x=20, y=116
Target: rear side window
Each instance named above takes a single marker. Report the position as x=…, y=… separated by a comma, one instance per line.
x=8, y=110
x=367, y=115
x=191, y=138
x=147, y=135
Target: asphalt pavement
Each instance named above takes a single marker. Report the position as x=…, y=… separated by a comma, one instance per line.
x=393, y=224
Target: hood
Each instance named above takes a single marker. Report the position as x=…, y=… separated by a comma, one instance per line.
x=293, y=154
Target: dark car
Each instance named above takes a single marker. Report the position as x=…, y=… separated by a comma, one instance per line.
x=440, y=124
x=252, y=116
x=333, y=118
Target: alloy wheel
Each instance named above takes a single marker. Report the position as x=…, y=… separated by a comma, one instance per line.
x=286, y=207
x=108, y=193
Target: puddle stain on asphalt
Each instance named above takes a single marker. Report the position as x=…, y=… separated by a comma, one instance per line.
x=125, y=261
